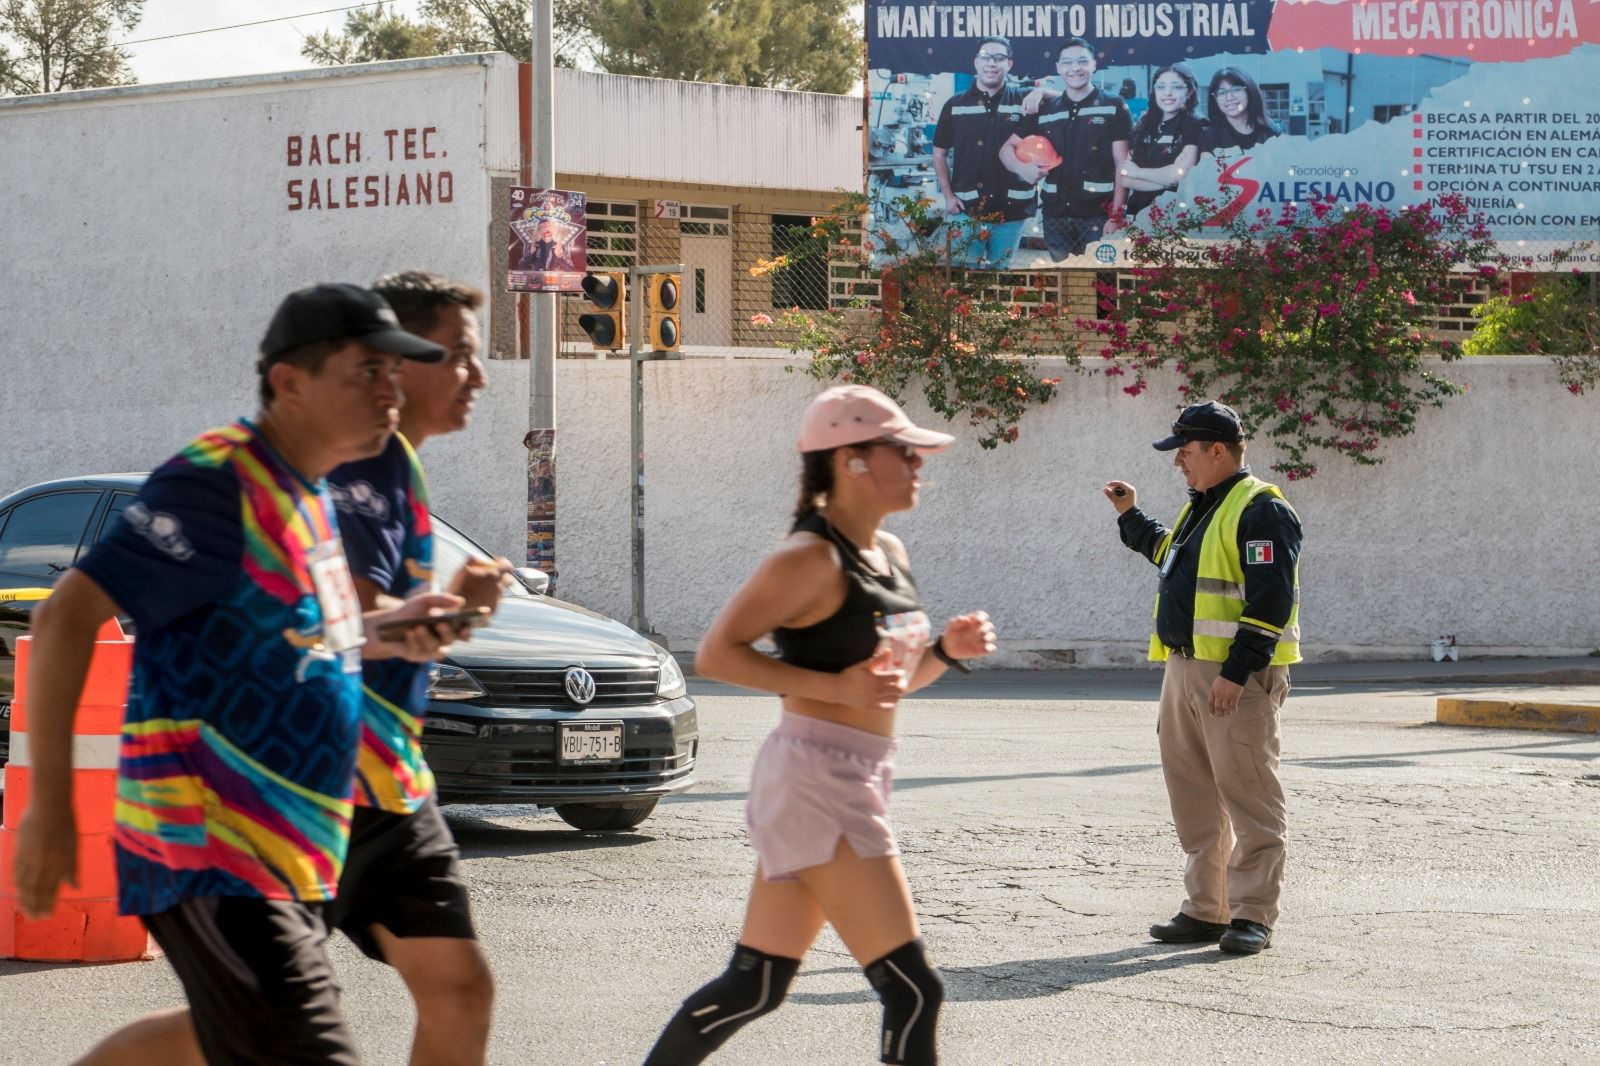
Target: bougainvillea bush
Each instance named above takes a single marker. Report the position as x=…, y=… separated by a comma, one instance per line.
x=1312, y=320
x=1556, y=315
x=966, y=339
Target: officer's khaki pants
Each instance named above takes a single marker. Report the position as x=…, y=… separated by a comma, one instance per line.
x=1222, y=781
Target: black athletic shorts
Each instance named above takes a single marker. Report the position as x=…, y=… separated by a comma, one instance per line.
x=260, y=989
x=403, y=872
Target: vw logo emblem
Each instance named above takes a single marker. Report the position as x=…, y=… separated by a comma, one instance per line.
x=579, y=684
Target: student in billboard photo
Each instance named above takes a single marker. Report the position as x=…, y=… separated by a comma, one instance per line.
x=1236, y=113
x=986, y=203
x=1166, y=141
x=1089, y=129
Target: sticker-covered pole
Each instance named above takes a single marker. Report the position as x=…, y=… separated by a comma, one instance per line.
x=542, y=311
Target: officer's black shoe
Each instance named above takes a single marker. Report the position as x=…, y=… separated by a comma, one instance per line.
x=1186, y=930
x=1245, y=937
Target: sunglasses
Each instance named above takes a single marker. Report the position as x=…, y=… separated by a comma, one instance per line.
x=907, y=452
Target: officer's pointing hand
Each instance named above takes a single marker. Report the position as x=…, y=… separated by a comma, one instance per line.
x=1122, y=495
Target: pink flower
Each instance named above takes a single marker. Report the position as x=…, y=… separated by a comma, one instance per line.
x=761, y=319
x=1327, y=310
x=1406, y=295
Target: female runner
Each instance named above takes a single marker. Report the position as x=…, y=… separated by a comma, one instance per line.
x=852, y=640
x=1166, y=141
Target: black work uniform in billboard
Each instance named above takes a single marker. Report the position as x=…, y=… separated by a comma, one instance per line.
x=1076, y=200
x=1159, y=144
x=1222, y=137
x=973, y=125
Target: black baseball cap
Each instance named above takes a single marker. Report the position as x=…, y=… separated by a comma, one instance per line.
x=338, y=311
x=1209, y=421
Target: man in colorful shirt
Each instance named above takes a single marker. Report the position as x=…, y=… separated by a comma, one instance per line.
x=402, y=899
x=239, y=741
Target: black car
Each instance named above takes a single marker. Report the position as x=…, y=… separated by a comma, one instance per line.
x=551, y=704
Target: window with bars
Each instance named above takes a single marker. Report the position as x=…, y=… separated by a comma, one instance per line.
x=613, y=234
x=706, y=220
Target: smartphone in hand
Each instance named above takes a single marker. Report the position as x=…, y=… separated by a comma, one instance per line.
x=470, y=618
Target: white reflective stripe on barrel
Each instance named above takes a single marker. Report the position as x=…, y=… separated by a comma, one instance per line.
x=88, y=752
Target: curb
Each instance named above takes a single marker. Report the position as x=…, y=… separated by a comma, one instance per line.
x=1515, y=714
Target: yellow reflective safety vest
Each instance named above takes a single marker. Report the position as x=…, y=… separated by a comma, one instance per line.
x=1219, y=592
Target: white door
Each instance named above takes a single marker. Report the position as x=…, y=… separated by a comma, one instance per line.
x=707, y=291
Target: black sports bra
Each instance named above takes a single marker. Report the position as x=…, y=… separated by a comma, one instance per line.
x=876, y=608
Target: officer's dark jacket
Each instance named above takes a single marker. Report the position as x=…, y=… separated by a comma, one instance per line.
x=1082, y=132
x=972, y=127
x=1268, y=587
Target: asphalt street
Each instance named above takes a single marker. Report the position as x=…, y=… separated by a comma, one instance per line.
x=1442, y=905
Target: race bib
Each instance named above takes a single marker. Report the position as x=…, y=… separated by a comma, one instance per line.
x=336, y=595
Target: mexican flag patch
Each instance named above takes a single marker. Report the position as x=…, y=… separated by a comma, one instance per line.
x=1258, y=551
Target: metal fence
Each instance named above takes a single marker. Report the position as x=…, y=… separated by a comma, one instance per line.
x=734, y=305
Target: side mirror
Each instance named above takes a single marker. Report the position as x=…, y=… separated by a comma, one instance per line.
x=536, y=581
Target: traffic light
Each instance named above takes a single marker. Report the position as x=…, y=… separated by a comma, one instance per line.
x=664, y=297
x=606, y=322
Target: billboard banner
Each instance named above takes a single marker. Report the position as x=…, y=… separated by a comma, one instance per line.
x=1041, y=131
x=548, y=248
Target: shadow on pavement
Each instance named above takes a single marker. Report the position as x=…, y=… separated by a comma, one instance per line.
x=478, y=838
x=905, y=784
x=1036, y=978
x=1578, y=748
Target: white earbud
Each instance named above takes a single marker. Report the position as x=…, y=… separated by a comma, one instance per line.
x=856, y=466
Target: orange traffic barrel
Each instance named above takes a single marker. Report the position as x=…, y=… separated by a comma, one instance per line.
x=85, y=925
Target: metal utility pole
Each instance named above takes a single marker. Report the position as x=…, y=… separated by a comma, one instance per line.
x=636, y=361
x=542, y=306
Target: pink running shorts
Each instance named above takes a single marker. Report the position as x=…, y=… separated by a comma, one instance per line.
x=814, y=782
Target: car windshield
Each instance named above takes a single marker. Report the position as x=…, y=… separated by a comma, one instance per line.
x=451, y=548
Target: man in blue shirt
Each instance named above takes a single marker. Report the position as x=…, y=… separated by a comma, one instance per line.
x=402, y=898
x=239, y=740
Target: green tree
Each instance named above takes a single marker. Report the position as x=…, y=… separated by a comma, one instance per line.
x=47, y=46
x=789, y=44
x=813, y=45
x=370, y=35
x=450, y=27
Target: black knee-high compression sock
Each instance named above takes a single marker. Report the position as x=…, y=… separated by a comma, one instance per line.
x=753, y=984
x=912, y=992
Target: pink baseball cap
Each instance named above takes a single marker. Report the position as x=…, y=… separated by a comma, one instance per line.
x=855, y=414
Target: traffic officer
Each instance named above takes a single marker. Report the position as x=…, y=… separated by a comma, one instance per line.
x=989, y=202
x=1090, y=130
x=1227, y=624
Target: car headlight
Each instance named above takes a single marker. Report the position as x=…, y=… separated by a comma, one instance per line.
x=671, y=684
x=447, y=682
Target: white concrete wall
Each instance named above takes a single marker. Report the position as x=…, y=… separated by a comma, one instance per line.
x=1482, y=524
x=147, y=234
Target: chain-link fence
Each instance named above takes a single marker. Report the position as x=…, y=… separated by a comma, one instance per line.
x=733, y=303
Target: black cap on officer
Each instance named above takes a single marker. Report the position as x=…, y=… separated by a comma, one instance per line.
x=1209, y=421
x=341, y=312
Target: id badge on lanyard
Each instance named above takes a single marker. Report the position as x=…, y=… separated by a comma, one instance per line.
x=336, y=595
x=1170, y=560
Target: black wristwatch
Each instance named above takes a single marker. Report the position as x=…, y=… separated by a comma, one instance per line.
x=946, y=658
